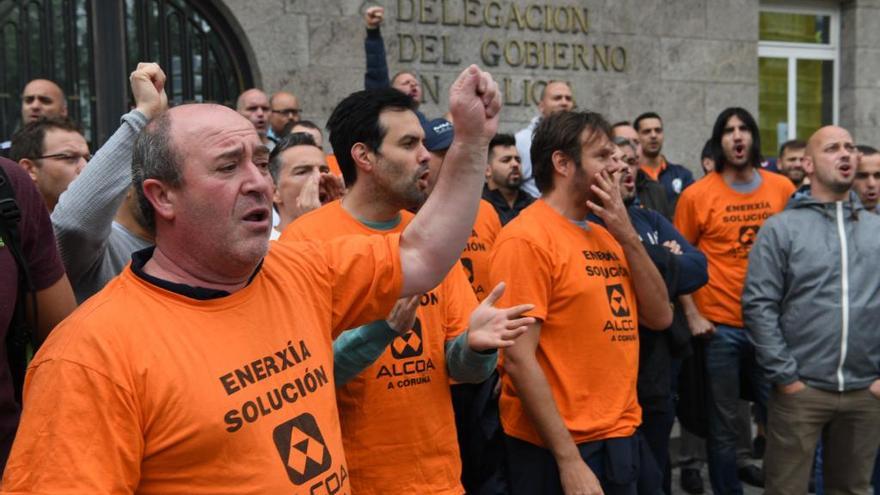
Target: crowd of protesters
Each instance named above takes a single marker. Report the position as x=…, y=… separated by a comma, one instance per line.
x=211, y=303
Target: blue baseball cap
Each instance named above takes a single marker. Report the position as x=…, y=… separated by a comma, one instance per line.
x=438, y=134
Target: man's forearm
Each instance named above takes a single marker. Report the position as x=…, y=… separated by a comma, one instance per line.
x=434, y=240
x=651, y=294
x=537, y=400
x=83, y=218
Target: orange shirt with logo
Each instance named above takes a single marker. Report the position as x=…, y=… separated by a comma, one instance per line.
x=723, y=224
x=149, y=391
x=475, y=257
x=579, y=281
x=397, y=422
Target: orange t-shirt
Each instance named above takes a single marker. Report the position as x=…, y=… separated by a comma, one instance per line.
x=475, y=257
x=149, y=391
x=723, y=224
x=398, y=427
x=580, y=285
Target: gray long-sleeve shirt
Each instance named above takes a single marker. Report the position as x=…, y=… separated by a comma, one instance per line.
x=93, y=247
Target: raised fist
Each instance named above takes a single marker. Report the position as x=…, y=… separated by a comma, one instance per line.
x=148, y=89
x=374, y=16
x=475, y=103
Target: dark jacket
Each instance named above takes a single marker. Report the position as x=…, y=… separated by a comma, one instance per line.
x=505, y=212
x=683, y=274
x=376, y=75
x=652, y=195
x=675, y=178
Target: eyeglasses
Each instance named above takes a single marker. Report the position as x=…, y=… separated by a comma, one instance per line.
x=70, y=158
x=288, y=112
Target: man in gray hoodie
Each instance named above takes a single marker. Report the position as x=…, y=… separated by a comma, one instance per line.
x=812, y=305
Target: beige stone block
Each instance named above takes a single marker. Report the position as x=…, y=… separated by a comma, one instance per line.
x=709, y=60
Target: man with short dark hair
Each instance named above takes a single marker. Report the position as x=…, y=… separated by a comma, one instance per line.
x=625, y=130
x=388, y=171
x=791, y=158
x=504, y=179
x=40, y=98
x=568, y=405
x=675, y=178
x=253, y=104
x=651, y=194
x=284, y=111
x=53, y=151
x=556, y=96
x=302, y=179
x=707, y=158
x=208, y=348
x=721, y=215
x=867, y=182
x=811, y=305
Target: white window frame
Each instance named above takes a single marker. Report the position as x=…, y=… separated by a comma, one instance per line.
x=805, y=51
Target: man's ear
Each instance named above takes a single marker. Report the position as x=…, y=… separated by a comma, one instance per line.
x=162, y=197
x=29, y=166
x=364, y=158
x=809, y=166
x=562, y=163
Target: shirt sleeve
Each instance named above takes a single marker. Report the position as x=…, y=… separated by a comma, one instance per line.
x=686, y=219
x=692, y=265
x=365, y=276
x=526, y=270
x=376, y=75
x=356, y=349
x=35, y=230
x=762, y=303
x=93, y=441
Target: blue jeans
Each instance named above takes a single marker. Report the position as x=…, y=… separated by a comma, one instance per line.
x=729, y=356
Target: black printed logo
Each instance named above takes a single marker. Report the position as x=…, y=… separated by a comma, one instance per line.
x=469, y=267
x=617, y=300
x=409, y=344
x=747, y=234
x=302, y=448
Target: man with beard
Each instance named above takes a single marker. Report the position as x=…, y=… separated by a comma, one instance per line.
x=674, y=178
x=651, y=194
x=721, y=215
x=568, y=397
x=867, y=182
x=504, y=178
x=811, y=307
x=684, y=270
x=791, y=158
x=390, y=449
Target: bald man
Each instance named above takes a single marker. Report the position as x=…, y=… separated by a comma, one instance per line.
x=253, y=104
x=812, y=308
x=284, y=112
x=40, y=98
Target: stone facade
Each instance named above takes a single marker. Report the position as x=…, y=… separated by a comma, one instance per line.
x=684, y=59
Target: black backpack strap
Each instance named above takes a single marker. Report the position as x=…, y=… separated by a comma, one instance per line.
x=20, y=334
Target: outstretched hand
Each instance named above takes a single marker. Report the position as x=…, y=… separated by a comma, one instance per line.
x=148, y=88
x=493, y=328
x=475, y=103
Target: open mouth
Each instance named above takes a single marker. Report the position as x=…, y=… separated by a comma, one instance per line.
x=739, y=150
x=258, y=215
x=845, y=169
